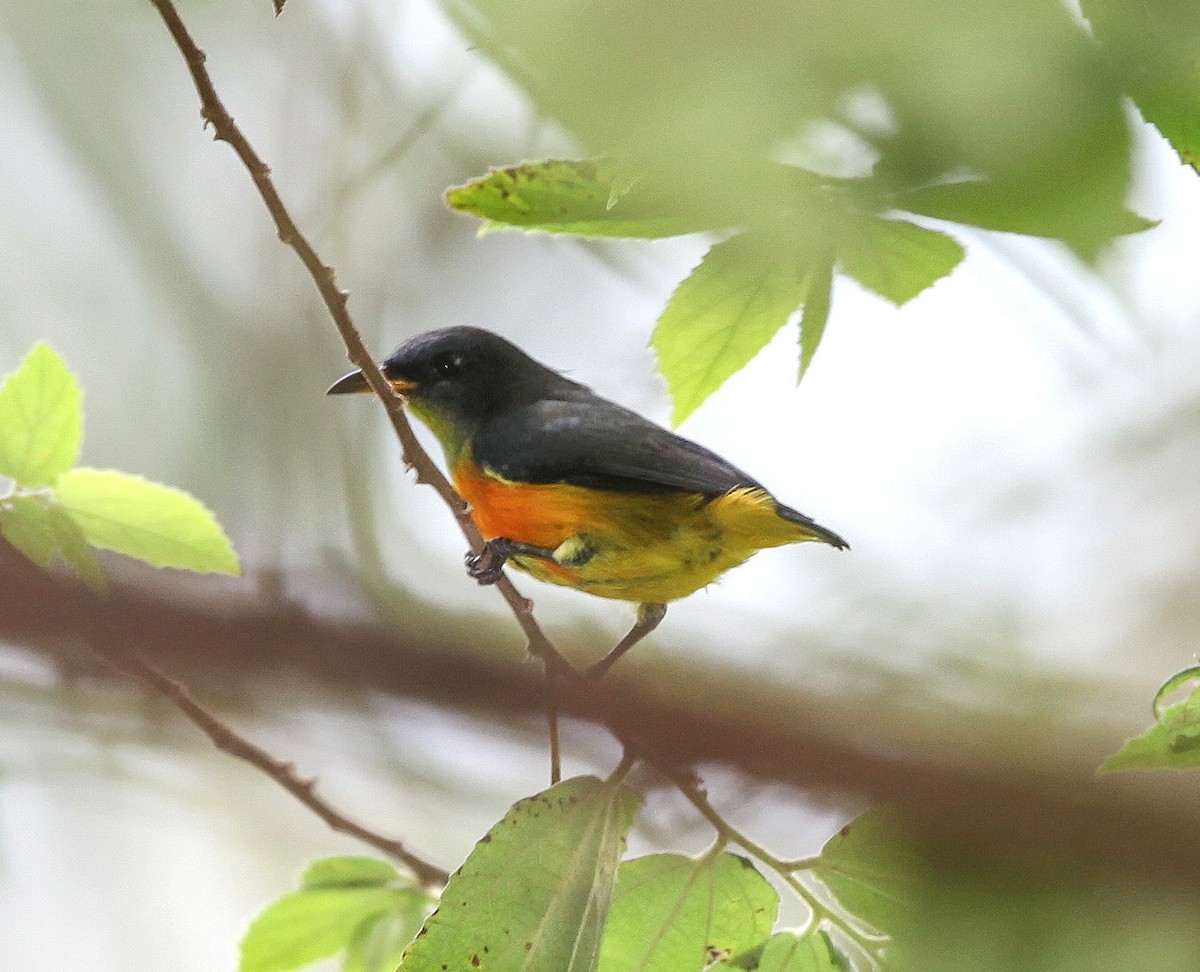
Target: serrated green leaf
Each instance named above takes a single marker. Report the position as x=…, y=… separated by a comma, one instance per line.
x=158, y=524
x=817, y=304
x=1172, y=743
x=42, y=530
x=721, y=316
x=584, y=198
x=350, y=871
x=672, y=913
x=897, y=259
x=41, y=422
x=810, y=952
x=534, y=893
x=1155, y=46
x=869, y=866
x=305, y=926
x=378, y=944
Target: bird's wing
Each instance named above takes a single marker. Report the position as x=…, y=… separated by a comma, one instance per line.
x=602, y=445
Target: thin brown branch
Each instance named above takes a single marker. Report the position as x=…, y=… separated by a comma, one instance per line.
x=226, y=739
x=214, y=113
x=552, y=719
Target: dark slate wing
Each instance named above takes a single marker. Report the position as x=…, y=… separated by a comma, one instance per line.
x=602, y=445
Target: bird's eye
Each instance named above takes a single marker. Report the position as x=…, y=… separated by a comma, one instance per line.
x=448, y=365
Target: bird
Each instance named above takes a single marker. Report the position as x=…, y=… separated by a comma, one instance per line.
x=575, y=489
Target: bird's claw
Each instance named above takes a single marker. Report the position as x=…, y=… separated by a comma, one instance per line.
x=486, y=567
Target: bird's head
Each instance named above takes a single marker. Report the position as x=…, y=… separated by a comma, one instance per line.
x=456, y=377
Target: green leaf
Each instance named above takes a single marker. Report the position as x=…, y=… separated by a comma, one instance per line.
x=1022, y=209
x=42, y=530
x=816, y=313
x=870, y=865
x=350, y=872
x=535, y=891
x=1172, y=685
x=158, y=524
x=378, y=944
x=672, y=913
x=1173, y=742
x=41, y=422
x=721, y=316
x=25, y=522
x=585, y=198
x=811, y=952
x=1014, y=92
x=1155, y=46
x=898, y=259
x=305, y=926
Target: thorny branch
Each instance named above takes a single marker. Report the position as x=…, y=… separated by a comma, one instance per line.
x=214, y=113
x=284, y=773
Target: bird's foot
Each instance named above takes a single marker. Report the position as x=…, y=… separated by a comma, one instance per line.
x=487, y=566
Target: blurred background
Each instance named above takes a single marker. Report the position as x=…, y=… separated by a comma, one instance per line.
x=1013, y=457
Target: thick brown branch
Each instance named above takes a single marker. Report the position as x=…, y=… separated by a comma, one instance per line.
x=684, y=715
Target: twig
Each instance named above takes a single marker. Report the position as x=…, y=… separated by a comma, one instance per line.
x=628, y=758
x=214, y=113
x=228, y=740
x=552, y=721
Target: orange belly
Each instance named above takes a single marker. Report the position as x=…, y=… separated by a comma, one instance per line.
x=542, y=514
x=647, y=547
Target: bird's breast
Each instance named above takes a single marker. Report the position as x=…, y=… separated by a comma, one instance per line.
x=542, y=514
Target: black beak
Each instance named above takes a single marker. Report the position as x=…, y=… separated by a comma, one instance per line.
x=356, y=384
x=351, y=384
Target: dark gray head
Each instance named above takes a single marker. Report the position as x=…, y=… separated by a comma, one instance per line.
x=460, y=375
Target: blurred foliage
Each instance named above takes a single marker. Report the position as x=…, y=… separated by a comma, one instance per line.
x=361, y=906
x=57, y=511
x=1002, y=116
x=1154, y=47
x=706, y=97
x=951, y=908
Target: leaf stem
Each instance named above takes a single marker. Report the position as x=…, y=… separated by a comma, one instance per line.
x=727, y=833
